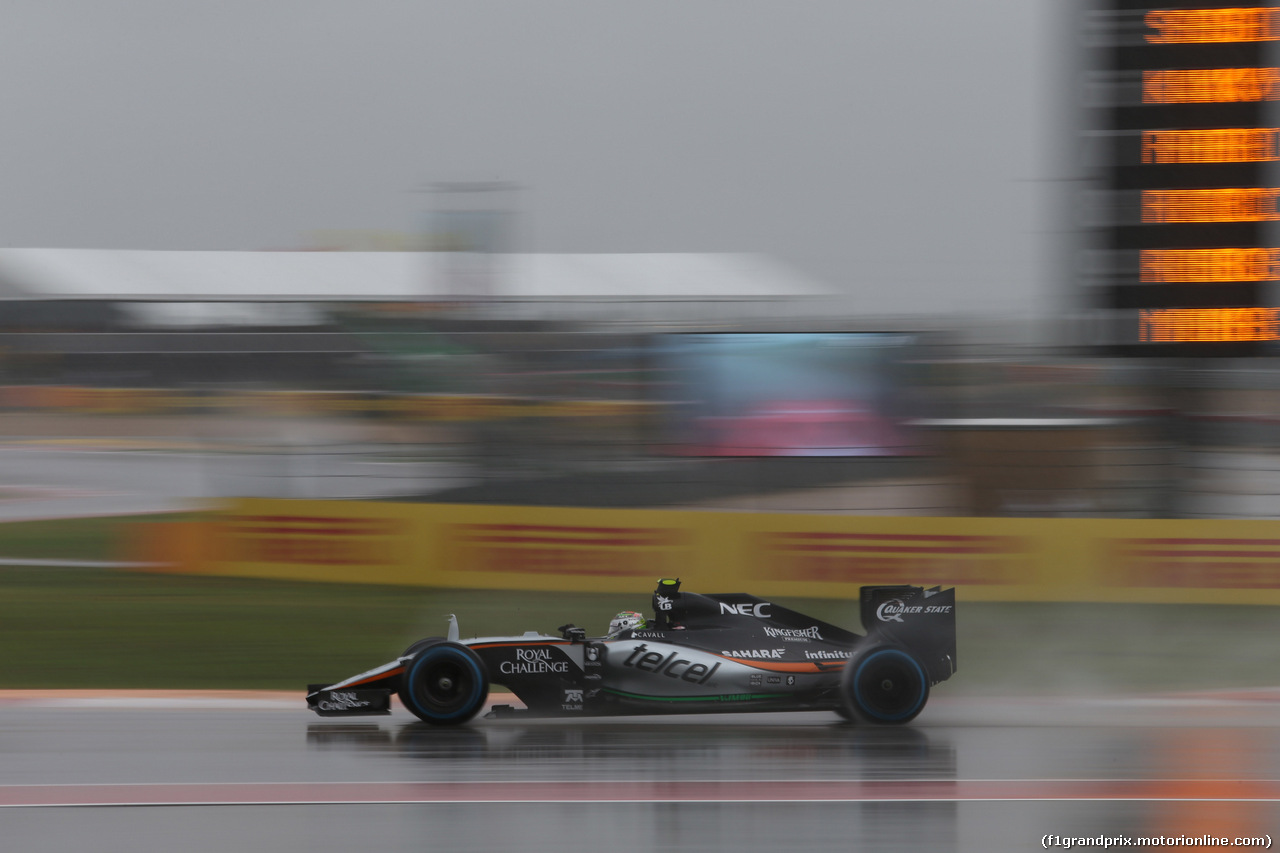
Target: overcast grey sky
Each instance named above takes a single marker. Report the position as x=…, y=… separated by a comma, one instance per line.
x=893, y=149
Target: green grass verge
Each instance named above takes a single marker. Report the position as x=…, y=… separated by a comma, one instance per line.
x=69, y=628
x=99, y=628
x=70, y=538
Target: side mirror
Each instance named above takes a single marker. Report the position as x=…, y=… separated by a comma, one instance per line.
x=573, y=633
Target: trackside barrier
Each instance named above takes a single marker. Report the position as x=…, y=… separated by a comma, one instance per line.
x=413, y=407
x=538, y=548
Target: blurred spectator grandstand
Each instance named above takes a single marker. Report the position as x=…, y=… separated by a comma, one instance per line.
x=715, y=381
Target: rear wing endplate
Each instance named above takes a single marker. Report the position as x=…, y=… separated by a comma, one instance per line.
x=922, y=620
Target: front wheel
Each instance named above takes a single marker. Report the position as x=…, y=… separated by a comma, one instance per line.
x=884, y=684
x=418, y=645
x=445, y=684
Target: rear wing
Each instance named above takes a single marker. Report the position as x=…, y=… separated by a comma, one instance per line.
x=922, y=620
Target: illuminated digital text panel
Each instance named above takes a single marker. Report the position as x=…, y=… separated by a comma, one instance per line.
x=1210, y=85
x=1185, y=250
x=1210, y=265
x=1236, y=204
x=1215, y=145
x=1209, y=26
x=1206, y=325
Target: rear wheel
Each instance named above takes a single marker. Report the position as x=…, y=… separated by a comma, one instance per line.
x=884, y=684
x=445, y=684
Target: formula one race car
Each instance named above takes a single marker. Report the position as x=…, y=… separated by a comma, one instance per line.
x=702, y=653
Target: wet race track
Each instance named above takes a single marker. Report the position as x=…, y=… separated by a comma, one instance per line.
x=257, y=773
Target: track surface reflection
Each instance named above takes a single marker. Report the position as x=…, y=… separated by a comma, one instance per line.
x=965, y=777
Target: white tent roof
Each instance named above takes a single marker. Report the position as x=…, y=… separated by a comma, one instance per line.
x=109, y=274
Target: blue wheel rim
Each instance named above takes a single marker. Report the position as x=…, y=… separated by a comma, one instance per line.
x=900, y=664
x=464, y=664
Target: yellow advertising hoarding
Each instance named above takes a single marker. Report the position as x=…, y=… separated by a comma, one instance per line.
x=769, y=554
x=407, y=406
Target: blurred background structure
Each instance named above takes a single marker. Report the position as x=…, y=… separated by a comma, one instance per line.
x=693, y=381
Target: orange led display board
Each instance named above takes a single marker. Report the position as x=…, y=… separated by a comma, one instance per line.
x=1210, y=85
x=1210, y=26
x=1209, y=325
x=1217, y=145
x=1237, y=204
x=1194, y=268
x=1210, y=265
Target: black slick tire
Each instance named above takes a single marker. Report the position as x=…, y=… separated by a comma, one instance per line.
x=418, y=645
x=445, y=684
x=885, y=685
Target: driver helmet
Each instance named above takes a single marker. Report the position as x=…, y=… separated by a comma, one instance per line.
x=627, y=620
